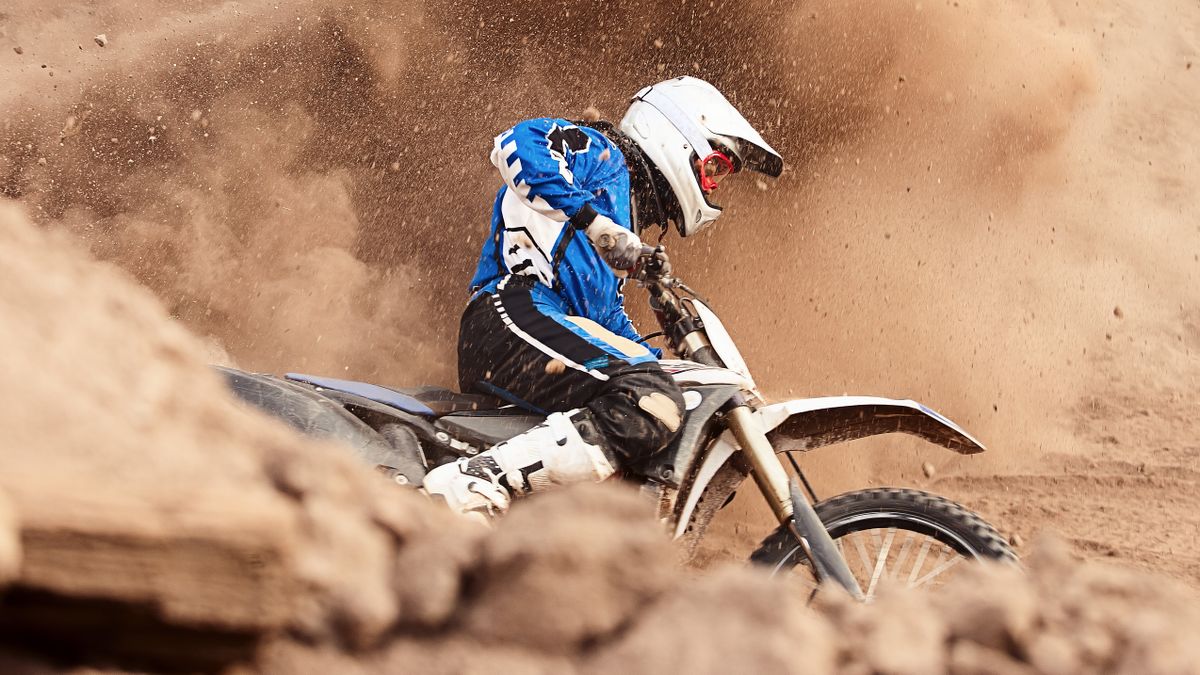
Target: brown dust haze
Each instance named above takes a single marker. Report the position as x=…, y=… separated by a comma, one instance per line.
x=972, y=190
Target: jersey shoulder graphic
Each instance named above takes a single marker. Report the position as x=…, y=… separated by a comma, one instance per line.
x=567, y=138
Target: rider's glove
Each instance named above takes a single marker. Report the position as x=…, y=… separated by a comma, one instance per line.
x=656, y=265
x=618, y=246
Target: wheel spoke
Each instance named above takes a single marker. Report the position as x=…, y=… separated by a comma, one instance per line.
x=881, y=561
x=881, y=552
x=951, y=562
x=919, y=562
x=862, y=551
x=941, y=557
x=902, y=557
x=876, y=538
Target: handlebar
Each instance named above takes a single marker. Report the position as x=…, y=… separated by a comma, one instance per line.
x=675, y=315
x=653, y=265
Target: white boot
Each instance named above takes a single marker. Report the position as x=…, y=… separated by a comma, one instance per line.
x=552, y=453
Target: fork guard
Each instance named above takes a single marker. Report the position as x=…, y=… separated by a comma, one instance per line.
x=810, y=423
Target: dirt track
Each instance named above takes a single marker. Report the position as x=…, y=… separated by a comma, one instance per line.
x=989, y=207
x=1051, y=310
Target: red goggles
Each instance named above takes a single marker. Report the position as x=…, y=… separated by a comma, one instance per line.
x=713, y=169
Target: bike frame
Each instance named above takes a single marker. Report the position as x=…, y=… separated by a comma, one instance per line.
x=729, y=431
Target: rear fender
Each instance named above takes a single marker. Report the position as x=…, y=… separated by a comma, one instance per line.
x=313, y=414
x=810, y=423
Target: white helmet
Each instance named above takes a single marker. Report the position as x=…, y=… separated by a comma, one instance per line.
x=677, y=123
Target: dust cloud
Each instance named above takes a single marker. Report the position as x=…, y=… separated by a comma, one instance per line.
x=228, y=155
x=988, y=206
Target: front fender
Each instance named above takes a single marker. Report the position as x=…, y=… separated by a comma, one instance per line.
x=810, y=423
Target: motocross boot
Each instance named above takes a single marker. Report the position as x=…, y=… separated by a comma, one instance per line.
x=562, y=450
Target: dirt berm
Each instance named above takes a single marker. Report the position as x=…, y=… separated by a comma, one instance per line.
x=147, y=522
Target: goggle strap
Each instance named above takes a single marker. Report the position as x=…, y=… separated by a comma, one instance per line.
x=680, y=120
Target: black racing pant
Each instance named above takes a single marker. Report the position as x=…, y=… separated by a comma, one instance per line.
x=519, y=343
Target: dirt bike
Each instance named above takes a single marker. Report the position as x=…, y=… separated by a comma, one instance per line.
x=729, y=432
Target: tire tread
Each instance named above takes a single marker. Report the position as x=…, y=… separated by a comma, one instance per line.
x=980, y=535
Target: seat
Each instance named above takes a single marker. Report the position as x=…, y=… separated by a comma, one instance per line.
x=427, y=401
x=487, y=428
x=373, y=392
x=445, y=401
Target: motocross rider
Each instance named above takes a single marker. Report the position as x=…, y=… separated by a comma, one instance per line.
x=546, y=327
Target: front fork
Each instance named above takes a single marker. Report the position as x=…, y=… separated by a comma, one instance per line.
x=765, y=466
x=789, y=505
x=787, y=502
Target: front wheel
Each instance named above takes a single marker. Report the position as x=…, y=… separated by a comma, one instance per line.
x=898, y=535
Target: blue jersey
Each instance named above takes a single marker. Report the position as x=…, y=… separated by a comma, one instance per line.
x=556, y=174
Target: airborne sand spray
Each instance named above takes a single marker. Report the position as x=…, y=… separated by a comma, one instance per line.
x=219, y=154
x=307, y=182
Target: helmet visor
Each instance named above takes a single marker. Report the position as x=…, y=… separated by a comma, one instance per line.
x=713, y=169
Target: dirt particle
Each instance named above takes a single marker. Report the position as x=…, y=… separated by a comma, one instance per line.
x=928, y=469
x=555, y=367
x=1016, y=540
x=101, y=40
x=18, y=50
x=1118, y=312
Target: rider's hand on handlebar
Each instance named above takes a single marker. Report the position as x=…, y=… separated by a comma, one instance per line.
x=618, y=246
x=653, y=263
